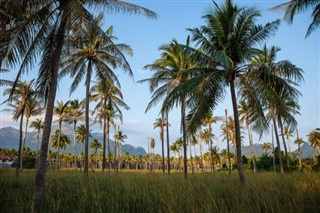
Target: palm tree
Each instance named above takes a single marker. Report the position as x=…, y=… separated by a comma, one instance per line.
x=266, y=147
x=244, y=112
x=292, y=7
x=43, y=30
x=169, y=73
x=93, y=52
x=208, y=121
x=110, y=100
x=280, y=94
x=81, y=135
x=75, y=114
x=208, y=138
x=61, y=111
x=37, y=125
x=95, y=145
x=20, y=95
x=161, y=123
x=119, y=138
x=227, y=42
x=314, y=139
x=176, y=147
x=299, y=141
x=59, y=140
x=288, y=134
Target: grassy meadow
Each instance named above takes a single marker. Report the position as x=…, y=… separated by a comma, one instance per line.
x=68, y=191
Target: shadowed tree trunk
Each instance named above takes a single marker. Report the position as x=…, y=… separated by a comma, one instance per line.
x=183, y=125
x=168, y=143
x=86, y=145
x=238, y=137
x=277, y=140
x=19, y=160
x=40, y=190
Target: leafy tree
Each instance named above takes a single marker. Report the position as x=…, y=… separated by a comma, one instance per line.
x=266, y=147
x=81, y=135
x=59, y=140
x=292, y=7
x=37, y=125
x=95, y=145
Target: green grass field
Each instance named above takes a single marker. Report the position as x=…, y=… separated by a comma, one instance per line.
x=68, y=191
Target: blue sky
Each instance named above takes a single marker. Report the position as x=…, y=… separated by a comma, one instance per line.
x=146, y=35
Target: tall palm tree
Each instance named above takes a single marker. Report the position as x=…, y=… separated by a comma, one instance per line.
x=95, y=145
x=161, y=123
x=93, y=52
x=168, y=74
x=20, y=95
x=227, y=42
x=288, y=134
x=279, y=92
x=75, y=114
x=244, y=112
x=43, y=30
x=61, y=111
x=119, y=138
x=81, y=135
x=59, y=140
x=314, y=139
x=292, y=7
x=208, y=121
x=299, y=141
x=208, y=138
x=37, y=125
x=110, y=99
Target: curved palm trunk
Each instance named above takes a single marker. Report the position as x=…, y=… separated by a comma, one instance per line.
x=168, y=143
x=86, y=145
x=228, y=146
x=238, y=137
x=278, y=141
x=183, y=125
x=59, y=138
x=18, y=168
x=75, y=143
x=24, y=143
x=39, y=189
x=251, y=145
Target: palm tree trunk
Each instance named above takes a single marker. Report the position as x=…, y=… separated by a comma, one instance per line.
x=168, y=143
x=192, y=169
x=273, y=156
x=238, y=136
x=104, y=143
x=24, y=143
x=251, y=145
x=278, y=141
x=39, y=189
x=20, y=146
x=184, y=138
x=299, y=149
x=201, y=148
x=38, y=142
x=86, y=145
x=115, y=154
x=162, y=148
x=284, y=141
x=75, y=144
x=228, y=146
x=59, y=137
x=108, y=141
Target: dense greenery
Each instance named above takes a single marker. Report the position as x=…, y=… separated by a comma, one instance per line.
x=137, y=192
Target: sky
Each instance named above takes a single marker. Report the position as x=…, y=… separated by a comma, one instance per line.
x=175, y=16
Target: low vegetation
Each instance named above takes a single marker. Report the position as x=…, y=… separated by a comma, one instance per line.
x=68, y=191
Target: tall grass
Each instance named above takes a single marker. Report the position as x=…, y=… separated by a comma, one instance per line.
x=69, y=191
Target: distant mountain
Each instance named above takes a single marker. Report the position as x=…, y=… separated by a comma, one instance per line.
x=307, y=150
x=9, y=138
